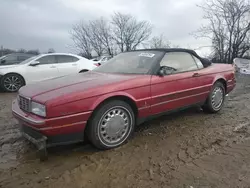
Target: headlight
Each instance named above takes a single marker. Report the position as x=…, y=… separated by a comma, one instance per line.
x=38, y=109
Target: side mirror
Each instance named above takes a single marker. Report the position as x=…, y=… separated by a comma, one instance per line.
x=34, y=63
x=166, y=70
x=161, y=72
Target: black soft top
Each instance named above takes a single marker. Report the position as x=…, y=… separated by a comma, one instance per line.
x=204, y=61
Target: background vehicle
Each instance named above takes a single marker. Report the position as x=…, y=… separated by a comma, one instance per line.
x=242, y=65
x=14, y=58
x=109, y=101
x=42, y=67
x=102, y=59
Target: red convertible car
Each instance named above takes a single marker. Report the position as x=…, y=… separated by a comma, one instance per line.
x=105, y=104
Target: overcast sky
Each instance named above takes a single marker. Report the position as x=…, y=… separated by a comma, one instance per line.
x=44, y=24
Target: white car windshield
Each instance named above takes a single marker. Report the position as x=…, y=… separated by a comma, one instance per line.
x=28, y=60
x=137, y=62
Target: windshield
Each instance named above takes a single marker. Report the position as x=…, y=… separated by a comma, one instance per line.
x=137, y=62
x=28, y=60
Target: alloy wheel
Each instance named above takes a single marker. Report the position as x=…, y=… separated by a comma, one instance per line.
x=12, y=83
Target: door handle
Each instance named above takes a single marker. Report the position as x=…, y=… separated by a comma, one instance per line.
x=53, y=67
x=74, y=64
x=196, y=74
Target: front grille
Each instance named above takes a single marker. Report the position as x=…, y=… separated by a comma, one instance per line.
x=24, y=103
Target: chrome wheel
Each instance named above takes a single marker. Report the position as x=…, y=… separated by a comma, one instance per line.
x=12, y=83
x=114, y=126
x=217, y=98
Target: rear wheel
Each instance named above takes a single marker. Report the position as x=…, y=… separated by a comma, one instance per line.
x=215, y=99
x=12, y=82
x=111, y=125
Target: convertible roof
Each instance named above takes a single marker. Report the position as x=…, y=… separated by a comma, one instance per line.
x=170, y=50
x=204, y=61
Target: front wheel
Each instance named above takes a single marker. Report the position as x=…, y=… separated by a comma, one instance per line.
x=12, y=82
x=111, y=125
x=215, y=99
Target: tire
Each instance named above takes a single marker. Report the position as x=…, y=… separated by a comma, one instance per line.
x=111, y=125
x=12, y=82
x=213, y=103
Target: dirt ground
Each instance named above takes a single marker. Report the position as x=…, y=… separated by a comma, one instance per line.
x=189, y=149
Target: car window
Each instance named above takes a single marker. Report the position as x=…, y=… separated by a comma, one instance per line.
x=22, y=58
x=75, y=59
x=198, y=62
x=50, y=59
x=176, y=62
x=66, y=59
x=11, y=58
x=28, y=60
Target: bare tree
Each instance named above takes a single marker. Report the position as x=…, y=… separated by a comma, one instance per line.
x=95, y=38
x=128, y=32
x=102, y=33
x=88, y=37
x=159, y=42
x=123, y=32
x=247, y=55
x=228, y=28
x=35, y=52
x=5, y=51
x=80, y=35
x=21, y=50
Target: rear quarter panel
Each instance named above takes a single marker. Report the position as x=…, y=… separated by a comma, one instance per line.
x=215, y=72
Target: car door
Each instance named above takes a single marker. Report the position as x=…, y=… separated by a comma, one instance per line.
x=179, y=87
x=46, y=69
x=67, y=64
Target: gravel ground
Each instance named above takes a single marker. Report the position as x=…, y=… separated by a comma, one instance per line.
x=188, y=149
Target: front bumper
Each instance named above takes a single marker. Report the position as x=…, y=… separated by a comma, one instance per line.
x=53, y=131
x=39, y=140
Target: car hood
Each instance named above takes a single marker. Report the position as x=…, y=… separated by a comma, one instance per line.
x=83, y=85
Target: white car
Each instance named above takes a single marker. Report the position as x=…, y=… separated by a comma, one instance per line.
x=42, y=67
x=102, y=59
